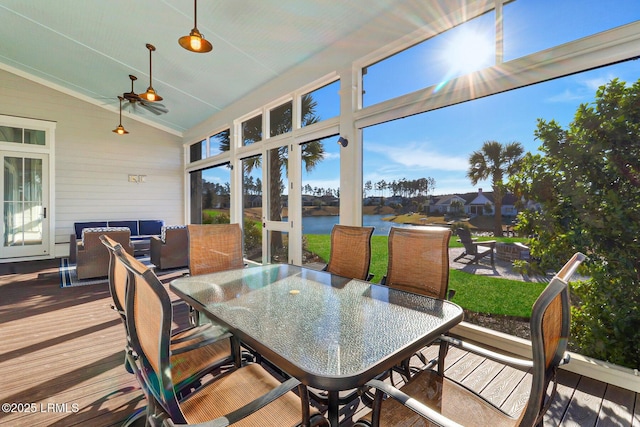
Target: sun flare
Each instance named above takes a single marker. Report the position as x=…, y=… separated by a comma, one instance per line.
x=469, y=51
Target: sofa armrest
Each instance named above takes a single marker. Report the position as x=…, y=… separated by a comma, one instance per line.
x=73, y=248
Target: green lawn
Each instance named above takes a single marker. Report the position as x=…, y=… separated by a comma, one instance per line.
x=481, y=294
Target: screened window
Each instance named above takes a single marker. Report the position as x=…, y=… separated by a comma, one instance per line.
x=252, y=130
x=320, y=104
x=280, y=119
x=463, y=49
x=197, y=151
x=210, y=195
x=22, y=136
x=531, y=26
x=219, y=142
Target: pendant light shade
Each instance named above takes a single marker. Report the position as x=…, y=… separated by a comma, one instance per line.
x=150, y=95
x=195, y=41
x=120, y=130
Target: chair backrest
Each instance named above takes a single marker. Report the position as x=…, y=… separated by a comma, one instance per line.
x=117, y=276
x=550, y=323
x=466, y=240
x=419, y=260
x=214, y=247
x=149, y=320
x=350, y=251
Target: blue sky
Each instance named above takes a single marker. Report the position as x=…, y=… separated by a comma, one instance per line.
x=437, y=144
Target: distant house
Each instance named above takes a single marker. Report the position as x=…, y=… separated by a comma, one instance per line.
x=443, y=203
x=474, y=203
x=477, y=206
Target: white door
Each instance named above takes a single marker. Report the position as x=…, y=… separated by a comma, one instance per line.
x=25, y=224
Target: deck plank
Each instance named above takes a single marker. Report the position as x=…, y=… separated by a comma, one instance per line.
x=66, y=346
x=585, y=404
x=617, y=407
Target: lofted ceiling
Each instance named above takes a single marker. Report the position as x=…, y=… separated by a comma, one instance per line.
x=88, y=48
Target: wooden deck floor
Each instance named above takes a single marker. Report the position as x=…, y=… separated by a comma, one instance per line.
x=61, y=355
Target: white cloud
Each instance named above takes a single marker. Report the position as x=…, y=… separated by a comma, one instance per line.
x=415, y=155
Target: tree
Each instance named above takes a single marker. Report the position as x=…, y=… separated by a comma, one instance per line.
x=588, y=184
x=495, y=161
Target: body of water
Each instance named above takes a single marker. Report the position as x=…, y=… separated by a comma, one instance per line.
x=324, y=224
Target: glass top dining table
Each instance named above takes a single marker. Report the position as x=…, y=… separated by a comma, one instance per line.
x=329, y=332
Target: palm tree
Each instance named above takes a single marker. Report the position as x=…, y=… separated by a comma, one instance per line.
x=494, y=161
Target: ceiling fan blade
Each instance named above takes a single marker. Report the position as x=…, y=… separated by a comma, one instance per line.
x=155, y=108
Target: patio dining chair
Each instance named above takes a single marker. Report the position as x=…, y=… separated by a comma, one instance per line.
x=430, y=397
x=419, y=263
x=247, y=395
x=350, y=254
x=213, y=248
x=190, y=342
x=473, y=249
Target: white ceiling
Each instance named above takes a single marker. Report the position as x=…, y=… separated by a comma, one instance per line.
x=89, y=47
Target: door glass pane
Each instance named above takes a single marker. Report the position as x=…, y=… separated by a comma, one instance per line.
x=278, y=183
x=278, y=247
x=22, y=201
x=252, y=207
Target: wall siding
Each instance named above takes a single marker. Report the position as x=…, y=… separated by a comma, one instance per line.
x=92, y=164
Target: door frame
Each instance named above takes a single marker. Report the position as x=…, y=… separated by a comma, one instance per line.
x=47, y=152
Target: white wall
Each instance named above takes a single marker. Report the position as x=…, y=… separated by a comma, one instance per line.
x=92, y=163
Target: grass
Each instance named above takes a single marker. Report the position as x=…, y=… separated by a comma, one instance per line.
x=480, y=294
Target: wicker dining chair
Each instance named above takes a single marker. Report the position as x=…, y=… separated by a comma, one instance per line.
x=190, y=342
x=350, y=254
x=430, y=397
x=214, y=247
x=247, y=395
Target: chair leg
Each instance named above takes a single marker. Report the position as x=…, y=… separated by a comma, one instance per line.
x=194, y=316
x=460, y=256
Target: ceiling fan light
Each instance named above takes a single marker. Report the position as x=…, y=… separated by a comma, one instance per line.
x=150, y=95
x=120, y=130
x=195, y=42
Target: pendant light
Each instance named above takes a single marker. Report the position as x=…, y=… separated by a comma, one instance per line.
x=195, y=41
x=150, y=95
x=120, y=130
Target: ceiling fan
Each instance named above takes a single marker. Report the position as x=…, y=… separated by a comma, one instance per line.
x=135, y=99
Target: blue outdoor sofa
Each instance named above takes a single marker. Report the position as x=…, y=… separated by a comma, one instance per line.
x=141, y=232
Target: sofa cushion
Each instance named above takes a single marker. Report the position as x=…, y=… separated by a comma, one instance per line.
x=102, y=230
x=79, y=226
x=132, y=225
x=150, y=227
x=169, y=227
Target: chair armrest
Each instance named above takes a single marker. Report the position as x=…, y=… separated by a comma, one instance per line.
x=498, y=357
x=246, y=410
x=413, y=404
x=206, y=341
